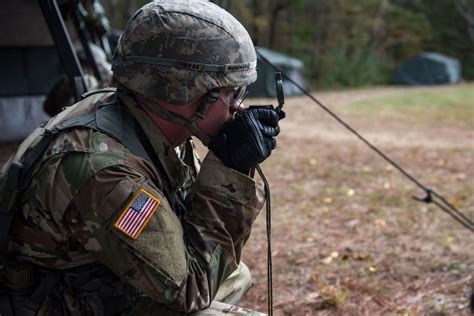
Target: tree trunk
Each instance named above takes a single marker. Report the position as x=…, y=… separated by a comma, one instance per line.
x=256, y=15
x=466, y=9
x=377, y=33
x=278, y=6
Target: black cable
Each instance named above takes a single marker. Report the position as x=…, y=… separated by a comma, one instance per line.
x=448, y=207
x=269, y=241
x=453, y=211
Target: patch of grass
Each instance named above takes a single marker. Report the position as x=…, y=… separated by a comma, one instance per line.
x=381, y=197
x=440, y=104
x=333, y=296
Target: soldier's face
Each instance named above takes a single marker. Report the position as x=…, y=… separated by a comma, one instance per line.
x=222, y=111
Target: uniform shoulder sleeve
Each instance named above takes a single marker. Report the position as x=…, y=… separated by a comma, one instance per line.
x=127, y=224
x=124, y=220
x=73, y=159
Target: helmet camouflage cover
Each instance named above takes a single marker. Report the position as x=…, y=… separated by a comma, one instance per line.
x=176, y=51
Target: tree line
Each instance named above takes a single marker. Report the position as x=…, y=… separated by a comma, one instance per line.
x=349, y=43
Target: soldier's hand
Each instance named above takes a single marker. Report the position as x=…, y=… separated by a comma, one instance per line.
x=247, y=140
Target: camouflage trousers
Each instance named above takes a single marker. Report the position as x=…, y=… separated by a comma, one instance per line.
x=229, y=294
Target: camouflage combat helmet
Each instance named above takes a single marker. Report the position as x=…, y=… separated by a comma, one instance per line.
x=175, y=51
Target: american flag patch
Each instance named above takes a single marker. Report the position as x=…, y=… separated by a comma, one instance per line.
x=137, y=214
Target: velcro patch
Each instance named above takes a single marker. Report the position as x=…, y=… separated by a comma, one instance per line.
x=137, y=214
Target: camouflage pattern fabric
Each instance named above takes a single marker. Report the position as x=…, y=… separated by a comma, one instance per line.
x=215, y=309
x=196, y=31
x=218, y=308
x=86, y=179
x=235, y=286
x=230, y=292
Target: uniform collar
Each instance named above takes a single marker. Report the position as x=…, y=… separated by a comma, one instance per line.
x=174, y=167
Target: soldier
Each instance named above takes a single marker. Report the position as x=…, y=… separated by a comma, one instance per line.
x=112, y=210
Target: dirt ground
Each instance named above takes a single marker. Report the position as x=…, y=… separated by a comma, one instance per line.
x=348, y=239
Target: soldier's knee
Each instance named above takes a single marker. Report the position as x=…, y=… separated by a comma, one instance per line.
x=245, y=275
x=235, y=286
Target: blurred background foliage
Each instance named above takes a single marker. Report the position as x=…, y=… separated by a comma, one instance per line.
x=348, y=43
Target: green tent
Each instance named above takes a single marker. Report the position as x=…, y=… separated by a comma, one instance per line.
x=265, y=84
x=427, y=69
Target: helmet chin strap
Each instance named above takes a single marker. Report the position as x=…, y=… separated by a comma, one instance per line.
x=191, y=123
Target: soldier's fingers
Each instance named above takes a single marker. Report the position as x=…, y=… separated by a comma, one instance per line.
x=270, y=143
x=268, y=117
x=269, y=131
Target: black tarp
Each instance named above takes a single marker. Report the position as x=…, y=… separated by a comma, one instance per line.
x=29, y=67
x=28, y=70
x=265, y=84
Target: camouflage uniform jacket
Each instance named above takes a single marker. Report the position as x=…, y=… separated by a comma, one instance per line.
x=87, y=180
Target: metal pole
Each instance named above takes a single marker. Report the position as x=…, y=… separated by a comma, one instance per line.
x=64, y=47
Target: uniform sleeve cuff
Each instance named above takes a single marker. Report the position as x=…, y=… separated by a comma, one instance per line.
x=215, y=176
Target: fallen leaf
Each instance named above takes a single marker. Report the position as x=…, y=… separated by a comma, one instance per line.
x=333, y=296
x=449, y=241
x=327, y=199
x=312, y=296
x=353, y=223
x=456, y=202
x=366, y=169
x=361, y=256
x=334, y=254
x=327, y=260
x=350, y=192
x=381, y=223
x=388, y=168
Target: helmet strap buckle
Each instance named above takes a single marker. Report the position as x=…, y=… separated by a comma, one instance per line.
x=211, y=97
